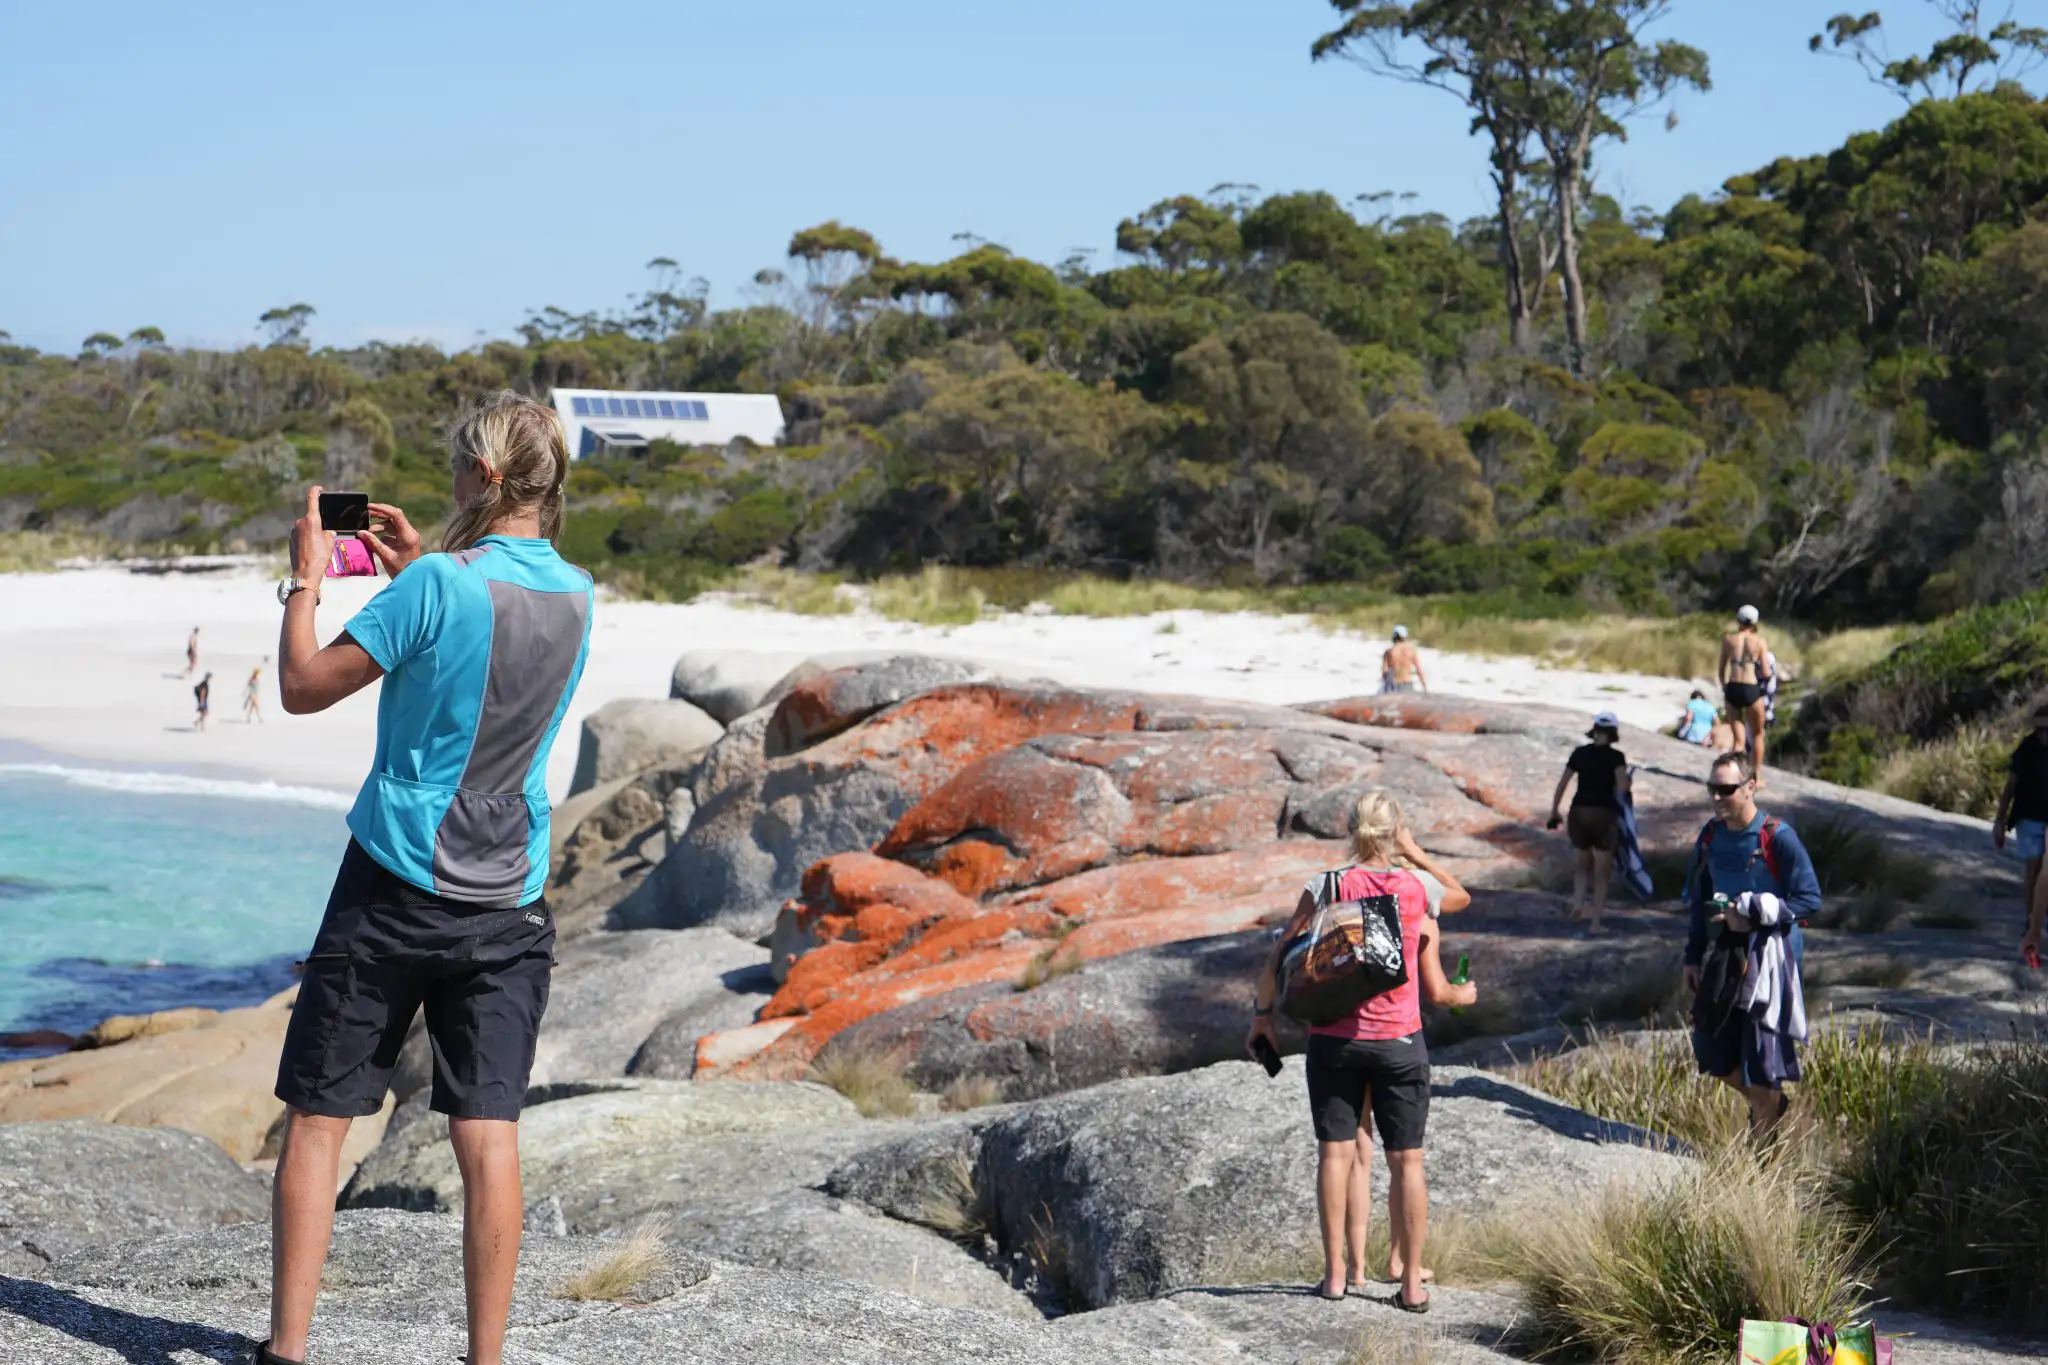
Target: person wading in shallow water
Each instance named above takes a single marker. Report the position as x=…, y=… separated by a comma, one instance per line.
x=1401, y=665
x=1745, y=668
x=438, y=900
x=1375, y=1061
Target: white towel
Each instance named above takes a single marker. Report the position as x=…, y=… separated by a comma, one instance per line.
x=1771, y=992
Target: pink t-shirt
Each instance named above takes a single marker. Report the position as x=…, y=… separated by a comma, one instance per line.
x=1420, y=897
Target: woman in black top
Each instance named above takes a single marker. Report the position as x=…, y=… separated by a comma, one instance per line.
x=1602, y=771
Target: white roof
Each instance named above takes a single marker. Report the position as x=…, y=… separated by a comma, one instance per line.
x=634, y=416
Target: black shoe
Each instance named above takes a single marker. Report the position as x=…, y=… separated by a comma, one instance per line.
x=264, y=1356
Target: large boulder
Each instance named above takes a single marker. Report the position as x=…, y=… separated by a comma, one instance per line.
x=808, y=709
x=607, y=840
x=70, y=1185
x=392, y=1295
x=727, y=683
x=1286, y=1324
x=1149, y=1012
x=1137, y=1188
x=610, y=992
x=812, y=1233
x=759, y=821
x=631, y=735
x=214, y=1078
x=629, y=1148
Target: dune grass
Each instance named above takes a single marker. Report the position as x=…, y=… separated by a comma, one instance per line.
x=620, y=1272
x=951, y=1202
x=1464, y=1251
x=1054, y=962
x=1667, y=1271
x=43, y=551
x=1560, y=631
x=1952, y=1176
x=878, y=1083
x=972, y=1091
x=1962, y=773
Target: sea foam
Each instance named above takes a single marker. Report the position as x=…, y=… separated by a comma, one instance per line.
x=146, y=783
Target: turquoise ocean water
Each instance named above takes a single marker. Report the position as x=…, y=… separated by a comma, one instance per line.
x=129, y=891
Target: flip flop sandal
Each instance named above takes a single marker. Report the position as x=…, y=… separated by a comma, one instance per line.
x=1323, y=1292
x=1400, y=1301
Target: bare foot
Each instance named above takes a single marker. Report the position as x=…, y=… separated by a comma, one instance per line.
x=1394, y=1273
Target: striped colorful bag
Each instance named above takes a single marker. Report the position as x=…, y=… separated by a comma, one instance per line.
x=1795, y=1341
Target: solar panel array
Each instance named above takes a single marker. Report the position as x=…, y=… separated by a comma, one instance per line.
x=674, y=410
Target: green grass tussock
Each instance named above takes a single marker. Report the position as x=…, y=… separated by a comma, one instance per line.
x=878, y=1083
x=1952, y=1175
x=1667, y=1273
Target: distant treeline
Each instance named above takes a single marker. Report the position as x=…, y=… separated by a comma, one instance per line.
x=1824, y=389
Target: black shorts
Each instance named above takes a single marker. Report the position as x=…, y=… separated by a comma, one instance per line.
x=386, y=948
x=1393, y=1076
x=1592, y=827
x=1741, y=696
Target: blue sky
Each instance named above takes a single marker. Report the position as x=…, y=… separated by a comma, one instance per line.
x=435, y=170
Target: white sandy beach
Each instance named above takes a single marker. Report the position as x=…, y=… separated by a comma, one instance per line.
x=91, y=663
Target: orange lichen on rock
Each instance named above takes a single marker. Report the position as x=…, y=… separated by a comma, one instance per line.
x=789, y=1056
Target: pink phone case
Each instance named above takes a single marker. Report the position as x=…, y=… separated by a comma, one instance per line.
x=351, y=559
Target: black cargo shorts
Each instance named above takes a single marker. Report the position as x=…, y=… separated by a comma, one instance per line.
x=386, y=948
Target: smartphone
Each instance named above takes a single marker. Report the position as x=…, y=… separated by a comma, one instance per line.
x=1267, y=1055
x=345, y=512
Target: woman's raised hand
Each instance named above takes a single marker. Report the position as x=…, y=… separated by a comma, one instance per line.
x=400, y=543
x=1405, y=845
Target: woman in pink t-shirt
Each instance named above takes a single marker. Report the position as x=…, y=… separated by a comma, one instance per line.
x=1376, y=1059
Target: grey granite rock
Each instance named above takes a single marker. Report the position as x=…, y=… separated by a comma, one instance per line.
x=394, y=1297
x=1137, y=1188
x=66, y=1186
x=632, y=734
x=612, y=990
x=636, y=1148
x=728, y=683
x=805, y=1231
x=1148, y=1012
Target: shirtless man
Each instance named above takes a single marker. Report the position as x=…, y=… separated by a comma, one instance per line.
x=1401, y=665
x=192, y=652
x=1744, y=671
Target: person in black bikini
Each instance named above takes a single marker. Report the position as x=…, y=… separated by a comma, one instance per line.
x=1743, y=674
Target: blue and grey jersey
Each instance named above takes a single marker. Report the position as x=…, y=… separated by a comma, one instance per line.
x=481, y=651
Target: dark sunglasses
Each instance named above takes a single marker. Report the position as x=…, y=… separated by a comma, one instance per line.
x=1724, y=789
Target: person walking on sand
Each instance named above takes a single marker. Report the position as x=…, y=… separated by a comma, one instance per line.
x=1401, y=665
x=438, y=899
x=192, y=652
x=1744, y=671
x=1594, y=823
x=1751, y=873
x=2023, y=805
x=1375, y=1061
x=252, y=697
x=202, y=698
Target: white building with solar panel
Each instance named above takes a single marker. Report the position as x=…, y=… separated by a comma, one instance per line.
x=604, y=422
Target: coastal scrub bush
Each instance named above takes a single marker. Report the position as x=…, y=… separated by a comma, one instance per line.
x=1668, y=1271
x=878, y=1083
x=1963, y=773
x=1950, y=1177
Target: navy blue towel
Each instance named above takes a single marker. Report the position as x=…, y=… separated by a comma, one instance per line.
x=1628, y=856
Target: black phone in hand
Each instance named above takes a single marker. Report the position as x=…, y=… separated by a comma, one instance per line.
x=1267, y=1055
x=345, y=512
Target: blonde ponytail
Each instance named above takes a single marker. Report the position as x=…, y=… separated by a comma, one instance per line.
x=518, y=445
x=1375, y=821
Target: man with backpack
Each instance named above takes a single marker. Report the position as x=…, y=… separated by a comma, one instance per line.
x=1750, y=887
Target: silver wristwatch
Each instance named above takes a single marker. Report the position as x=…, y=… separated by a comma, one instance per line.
x=286, y=587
